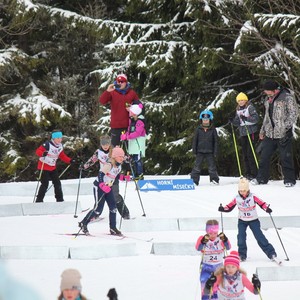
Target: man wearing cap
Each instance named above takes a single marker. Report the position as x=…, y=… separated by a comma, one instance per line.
x=281, y=113
x=119, y=95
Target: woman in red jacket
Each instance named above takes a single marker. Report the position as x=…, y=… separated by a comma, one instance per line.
x=119, y=95
x=49, y=152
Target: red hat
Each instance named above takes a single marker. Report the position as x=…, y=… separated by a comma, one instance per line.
x=121, y=77
x=232, y=259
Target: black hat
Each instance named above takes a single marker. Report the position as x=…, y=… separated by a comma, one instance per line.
x=270, y=85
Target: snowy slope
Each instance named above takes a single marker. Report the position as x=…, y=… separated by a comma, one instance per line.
x=147, y=276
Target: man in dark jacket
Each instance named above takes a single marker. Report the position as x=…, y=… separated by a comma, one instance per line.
x=281, y=113
x=205, y=147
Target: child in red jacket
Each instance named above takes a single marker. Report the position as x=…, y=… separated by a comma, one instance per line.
x=49, y=152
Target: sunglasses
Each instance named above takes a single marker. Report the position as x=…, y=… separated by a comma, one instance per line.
x=205, y=116
x=120, y=81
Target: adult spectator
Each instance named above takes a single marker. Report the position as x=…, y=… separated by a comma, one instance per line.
x=281, y=113
x=119, y=95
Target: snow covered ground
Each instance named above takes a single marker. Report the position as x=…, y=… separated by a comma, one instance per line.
x=147, y=276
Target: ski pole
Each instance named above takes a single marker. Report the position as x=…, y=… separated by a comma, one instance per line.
x=80, y=172
x=38, y=183
x=222, y=229
x=260, y=297
x=236, y=150
x=136, y=185
x=123, y=206
x=90, y=213
x=210, y=292
x=251, y=145
x=62, y=173
x=222, y=226
x=287, y=258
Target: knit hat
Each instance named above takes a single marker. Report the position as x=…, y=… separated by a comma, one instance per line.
x=136, y=109
x=70, y=280
x=232, y=259
x=105, y=140
x=117, y=151
x=212, y=228
x=243, y=184
x=270, y=85
x=241, y=97
x=56, y=135
x=121, y=77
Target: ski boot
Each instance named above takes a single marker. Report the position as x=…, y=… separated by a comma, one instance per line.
x=115, y=231
x=83, y=228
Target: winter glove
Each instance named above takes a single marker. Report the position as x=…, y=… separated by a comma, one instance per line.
x=123, y=137
x=221, y=208
x=105, y=188
x=230, y=120
x=73, y=161
x=45, y=153
x=124, y=177
x=223, y=237
x=243, y=118
x=288, y=135
x=210, y=281
x=268, y=210
x=205, y=239
x=256, y=282
x=112, y=294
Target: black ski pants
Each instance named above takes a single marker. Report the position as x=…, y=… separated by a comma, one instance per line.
x=212, y=169
x=45, y=178
x=248, y=156
x=284, y=146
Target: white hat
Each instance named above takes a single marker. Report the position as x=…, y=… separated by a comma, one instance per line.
x=135, y=109
x=243, y=184
x=70, y=280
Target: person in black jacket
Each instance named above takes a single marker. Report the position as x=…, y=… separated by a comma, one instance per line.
x=205, y=147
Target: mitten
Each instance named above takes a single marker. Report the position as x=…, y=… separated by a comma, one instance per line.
x=269, y=210
x=127, y=178
x=205, y=239
x=123, y=137
x=45, y=153
x=105, y=188
x=223, y=237
x=221, y=208
x=210, y=281
x=256, y=282
x=112, y=294
x=243, y=118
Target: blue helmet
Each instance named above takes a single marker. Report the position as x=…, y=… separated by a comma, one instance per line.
x=206, y=114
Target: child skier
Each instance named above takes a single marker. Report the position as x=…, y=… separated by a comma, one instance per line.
x=246, y=203
x=49, y=152
x=229, y=281
x=212, y=245
x=205, y=146
x=246, y=119
x=102, y=190
x=102, y=155
x=136, y=136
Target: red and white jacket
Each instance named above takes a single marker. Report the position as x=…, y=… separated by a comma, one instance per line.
x=55, y=152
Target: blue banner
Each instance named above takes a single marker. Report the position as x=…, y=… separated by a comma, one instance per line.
x=166, y=185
